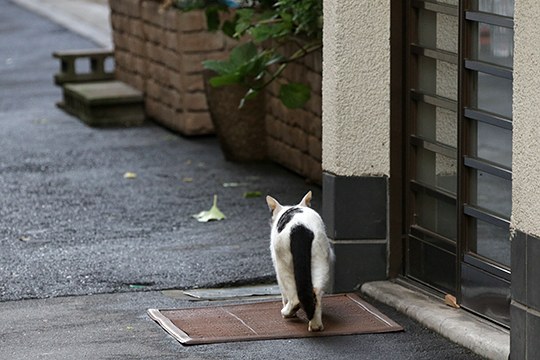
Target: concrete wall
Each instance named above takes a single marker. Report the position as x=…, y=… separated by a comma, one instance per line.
x=356, y=137
x=356, y=87
x=525, y=306
x=526, y=114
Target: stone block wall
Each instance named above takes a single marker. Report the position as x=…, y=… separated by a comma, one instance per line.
x=294, y=136
x=160, y=53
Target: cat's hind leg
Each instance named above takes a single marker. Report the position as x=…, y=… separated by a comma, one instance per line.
x=287, y=286
x=315, y=324
x=291, y=304
x=290, y=309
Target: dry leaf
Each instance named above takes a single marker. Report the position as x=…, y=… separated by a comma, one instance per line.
x=231, y=184
x=130, y=175
x=451, y=300
x=213, y=214
x=187, y=179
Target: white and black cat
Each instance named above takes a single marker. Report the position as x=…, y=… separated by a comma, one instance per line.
x=302, y=258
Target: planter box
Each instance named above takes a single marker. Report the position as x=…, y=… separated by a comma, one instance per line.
x=161, y=53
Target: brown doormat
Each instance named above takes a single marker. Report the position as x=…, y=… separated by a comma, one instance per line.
x=343, y=314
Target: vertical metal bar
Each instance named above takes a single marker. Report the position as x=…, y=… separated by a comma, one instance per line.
x=397, y=141
x=463, y=140
x=410, y=35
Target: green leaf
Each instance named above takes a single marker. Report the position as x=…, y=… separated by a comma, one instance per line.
x=252, y=194
x=243, y=53
x=213, y=214
x=219, y=66
x=264, y=32
x=244, y=21
x=294, y=95
x=227, y=79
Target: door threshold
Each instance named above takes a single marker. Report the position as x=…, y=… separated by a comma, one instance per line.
x=479, y=335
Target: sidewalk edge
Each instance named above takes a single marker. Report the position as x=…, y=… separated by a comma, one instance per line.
x=463, y=328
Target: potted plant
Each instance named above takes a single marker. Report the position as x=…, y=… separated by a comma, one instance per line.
x=235, y=86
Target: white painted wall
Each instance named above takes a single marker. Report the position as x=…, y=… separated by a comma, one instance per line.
x=526, y=118
x=356, y=87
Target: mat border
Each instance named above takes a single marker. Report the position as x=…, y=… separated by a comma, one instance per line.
x=168, y=326
x=185, y=339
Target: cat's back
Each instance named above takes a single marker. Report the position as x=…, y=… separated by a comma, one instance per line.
x=295, y=216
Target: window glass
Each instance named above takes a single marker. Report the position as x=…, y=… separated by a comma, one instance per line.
x=436, y=215
x=437, y=124
x=436, y=170
x=499, y=7
x=492, y=242
x=492, y=143
x=493, y=94
x=437, y=77
x=431, y=265
x=494, y=44
x=491, y=193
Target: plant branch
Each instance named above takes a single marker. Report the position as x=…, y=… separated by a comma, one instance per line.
x=303, y=51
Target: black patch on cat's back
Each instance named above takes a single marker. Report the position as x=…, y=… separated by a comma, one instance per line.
x=301, y=241
x=287, y=217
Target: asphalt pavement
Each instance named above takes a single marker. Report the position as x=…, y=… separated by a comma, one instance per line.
x=84, y=251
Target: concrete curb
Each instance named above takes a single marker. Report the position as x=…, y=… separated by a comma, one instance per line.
x=463, y=328
x=88, y=19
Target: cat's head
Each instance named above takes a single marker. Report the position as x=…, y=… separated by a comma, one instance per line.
x=275, y=207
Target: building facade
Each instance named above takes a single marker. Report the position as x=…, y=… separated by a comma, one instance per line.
x=430, y=152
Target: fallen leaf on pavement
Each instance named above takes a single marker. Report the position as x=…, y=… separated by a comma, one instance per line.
x=213, y=214
x=252, y=194
x=130, y=175
x=451, y=301
x=233, y=184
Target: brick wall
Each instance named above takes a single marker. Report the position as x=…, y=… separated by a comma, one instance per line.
x=294, y=136
x=161, y=53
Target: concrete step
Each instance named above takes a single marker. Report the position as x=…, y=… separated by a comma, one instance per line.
x=104, y=104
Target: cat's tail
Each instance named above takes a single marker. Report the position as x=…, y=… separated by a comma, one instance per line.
x=301, y=241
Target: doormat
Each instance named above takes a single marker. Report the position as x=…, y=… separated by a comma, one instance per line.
x=343, y=314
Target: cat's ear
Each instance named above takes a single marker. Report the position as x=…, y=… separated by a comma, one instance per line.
x=273, y=204
x=306, y=201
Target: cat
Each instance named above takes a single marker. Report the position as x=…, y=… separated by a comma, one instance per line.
x=302, y=258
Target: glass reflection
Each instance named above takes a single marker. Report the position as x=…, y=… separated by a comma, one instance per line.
x=437, y=124
x=499, y=7
x=492, y=242
x=494, y=44
x=494, y=94
x=492, y=143
x=436, y=170
x=491, y=193
x=436, y=215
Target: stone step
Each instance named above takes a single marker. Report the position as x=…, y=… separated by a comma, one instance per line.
x=104, y=104
x=95, y=63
